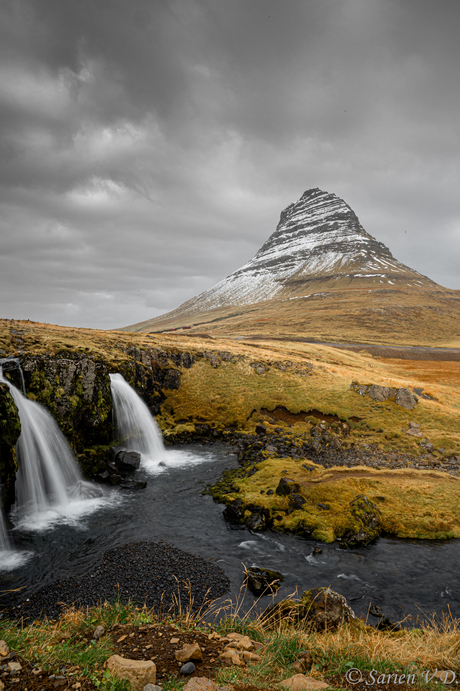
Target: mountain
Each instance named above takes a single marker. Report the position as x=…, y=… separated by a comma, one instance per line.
x=319, y=251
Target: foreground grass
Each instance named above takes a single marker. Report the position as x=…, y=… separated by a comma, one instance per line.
x=64, y=643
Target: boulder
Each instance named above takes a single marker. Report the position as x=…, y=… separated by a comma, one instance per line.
x=137, y=672
x=379, y=393
x=296, y=501
x=234, y=512
x=324, y=609
x=406, y=399
x=299, y=682
x=256, y=521
x=366, y=518
x=319, y=608
x=127, y=461
x=263, y=581
x=287, y=486
x=190, y=651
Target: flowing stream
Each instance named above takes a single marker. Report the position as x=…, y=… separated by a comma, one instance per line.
x=404, y=577
x=63, y=524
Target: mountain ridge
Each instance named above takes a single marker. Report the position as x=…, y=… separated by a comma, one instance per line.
x=317, y=270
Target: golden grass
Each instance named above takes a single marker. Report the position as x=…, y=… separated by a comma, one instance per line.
x=230, y=393
x=400, y=315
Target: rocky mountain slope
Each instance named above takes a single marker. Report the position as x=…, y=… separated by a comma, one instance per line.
x=319, y=241
x=319, y=251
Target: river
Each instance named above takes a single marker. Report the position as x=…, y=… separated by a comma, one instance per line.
x=406, y=578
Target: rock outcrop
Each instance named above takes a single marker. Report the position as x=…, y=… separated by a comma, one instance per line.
x=10, y=429
x=402, y=396
x=318, y=608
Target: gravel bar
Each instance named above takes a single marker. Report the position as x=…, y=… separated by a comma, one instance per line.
x=150, y=573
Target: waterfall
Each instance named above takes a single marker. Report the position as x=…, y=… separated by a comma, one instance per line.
x=136, y=427
x=5, y=544
x=49, y=485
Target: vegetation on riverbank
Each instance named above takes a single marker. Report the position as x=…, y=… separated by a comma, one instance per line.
x=408, y=504
x=66, y=648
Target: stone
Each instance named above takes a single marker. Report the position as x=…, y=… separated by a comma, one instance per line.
x=324, y=609
x=190, y=651
x=234, y=513
x=152, y=687
x=200, y=684
x=376, y=611
x=261, y=429
x=296, y=501
x=243, y=642
x=299, y=682
x=256, y=521
x=406, y=399
x=137, y=672
x=263, y=581
x=188, y=668
x=127, y=461
x=14, y=666
x=414, y=432
x=366, y=516
x=98, y=632
x=230, y=657
x=4, y=649
x=2, y=686
x=250, y=657
x=379, y=393
x=287, y=486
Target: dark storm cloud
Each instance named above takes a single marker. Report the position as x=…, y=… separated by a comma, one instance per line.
x=149, y=146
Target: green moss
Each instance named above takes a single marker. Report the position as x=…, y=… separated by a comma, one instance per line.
x=410, y=506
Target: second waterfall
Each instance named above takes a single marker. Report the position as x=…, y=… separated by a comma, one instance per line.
x=136, y=428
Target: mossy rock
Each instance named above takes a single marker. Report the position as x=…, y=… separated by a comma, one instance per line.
x=10, y=429
x=321, y=609
x=367, y=519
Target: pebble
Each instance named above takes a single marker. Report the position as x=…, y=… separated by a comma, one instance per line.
x=188, y=668
x=140, y=572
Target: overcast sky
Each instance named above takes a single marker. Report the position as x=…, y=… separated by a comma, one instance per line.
x=148, y=146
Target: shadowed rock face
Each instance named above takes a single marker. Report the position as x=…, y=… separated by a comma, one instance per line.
x=318, y=238
x=10, y=429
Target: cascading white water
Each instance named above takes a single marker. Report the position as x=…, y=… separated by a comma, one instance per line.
x=49, y=485
x=135, y=424
x=5, y=544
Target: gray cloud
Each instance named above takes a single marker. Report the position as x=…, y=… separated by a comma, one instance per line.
x=148, y=147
